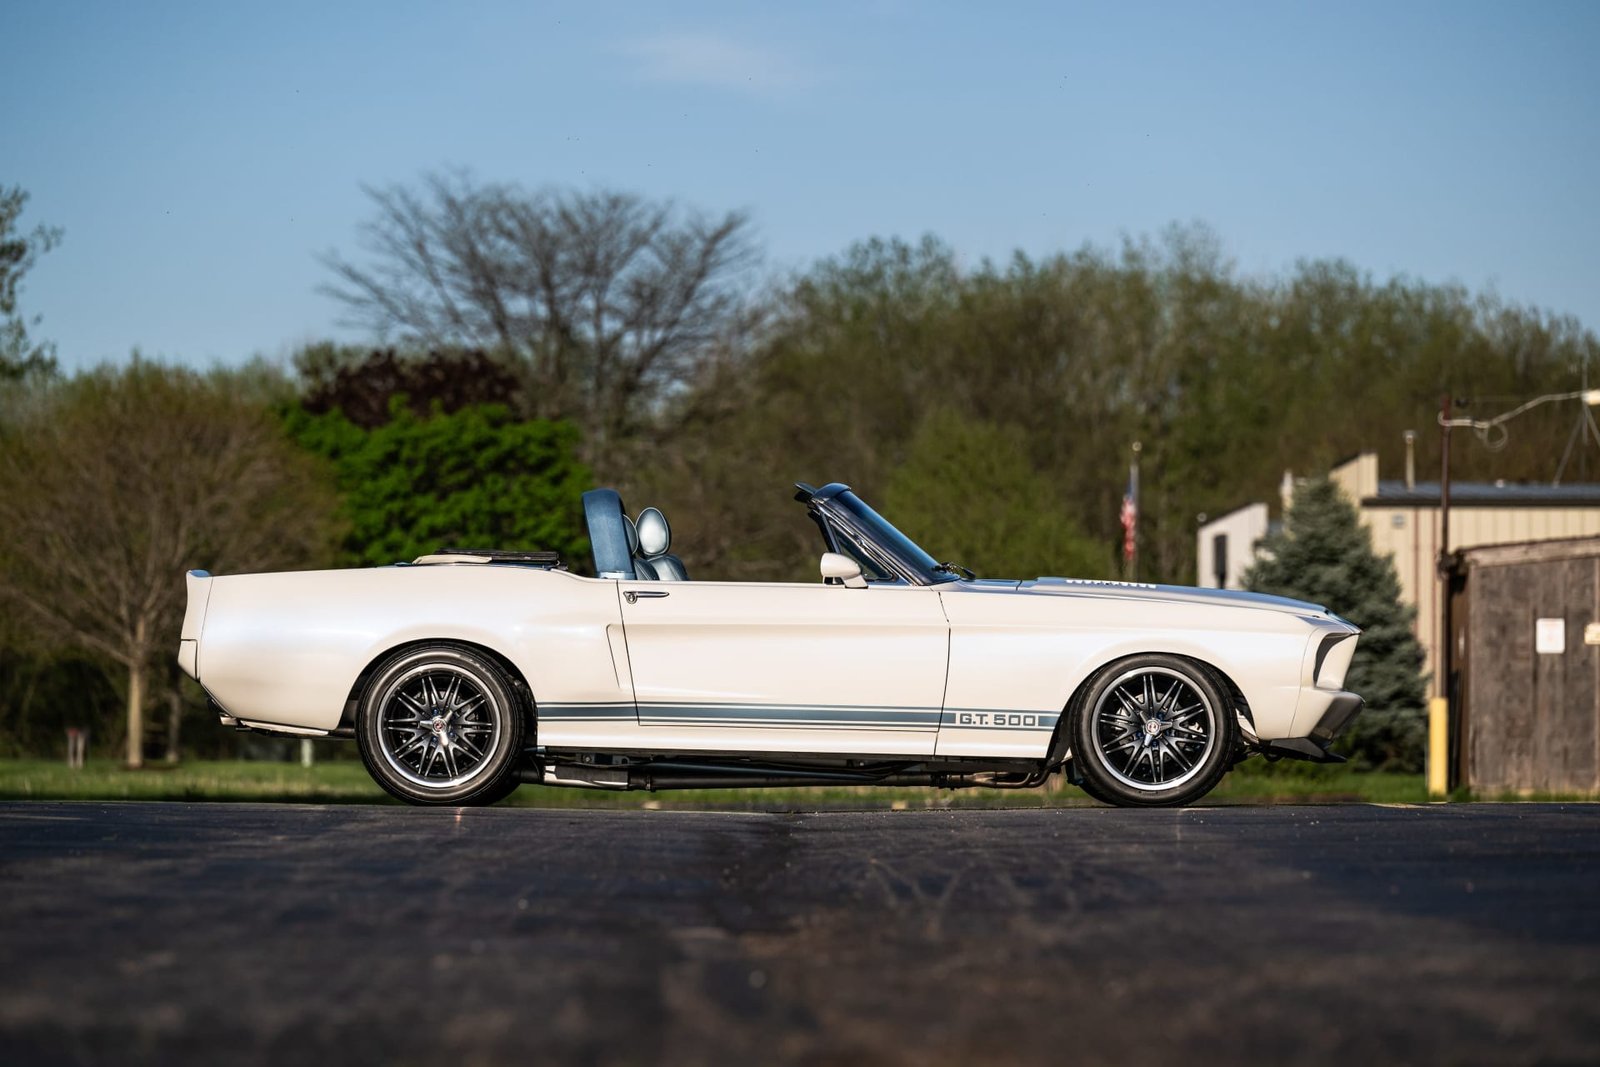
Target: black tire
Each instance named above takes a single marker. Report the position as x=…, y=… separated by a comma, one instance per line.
x=441, y=724
x=1073, y=765
x=504, y=789
x=1153, y=731
x=1088, y=786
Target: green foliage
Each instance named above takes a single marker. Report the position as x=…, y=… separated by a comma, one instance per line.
x=1324, y=555
x=968, y=493
x=19, y=356
x=258, y=383
x=473, y=478
x=112, y=484
x=44, y=693
x=1225, y=379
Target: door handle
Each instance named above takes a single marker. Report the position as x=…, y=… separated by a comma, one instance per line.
x=633, y=596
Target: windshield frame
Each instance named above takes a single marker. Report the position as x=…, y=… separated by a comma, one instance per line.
x=842, y=509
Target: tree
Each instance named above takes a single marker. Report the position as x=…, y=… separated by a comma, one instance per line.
x=1225, y=379
x=363, y=390
x=1324, y=555
x=608, y=301
x=114, y=483
x=967, y=493
x=45, y=691
x=20, y=356
x=473, y=478
x=847, y=361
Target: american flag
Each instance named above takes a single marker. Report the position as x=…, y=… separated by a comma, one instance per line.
x=1130, y=515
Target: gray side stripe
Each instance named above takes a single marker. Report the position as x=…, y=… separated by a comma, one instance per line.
x=831, y=716
x=588, y=712
x=899, y=718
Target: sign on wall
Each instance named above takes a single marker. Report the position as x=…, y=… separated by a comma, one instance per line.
x=1550, y=636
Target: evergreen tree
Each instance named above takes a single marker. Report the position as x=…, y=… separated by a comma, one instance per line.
x=1324, y=555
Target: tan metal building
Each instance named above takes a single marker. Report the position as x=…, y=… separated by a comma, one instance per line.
x=1404, y=521
x=1227, y=546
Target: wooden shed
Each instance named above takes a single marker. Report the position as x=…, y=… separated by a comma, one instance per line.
x=1525, y=619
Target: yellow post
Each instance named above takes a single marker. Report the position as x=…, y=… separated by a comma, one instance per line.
x=1438, y=747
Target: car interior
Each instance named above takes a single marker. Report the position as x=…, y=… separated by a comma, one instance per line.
x=637, y=549
x=650, y=538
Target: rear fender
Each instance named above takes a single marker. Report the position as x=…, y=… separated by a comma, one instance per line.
x=198, y=588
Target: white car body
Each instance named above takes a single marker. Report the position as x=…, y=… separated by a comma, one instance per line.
x=920, y=673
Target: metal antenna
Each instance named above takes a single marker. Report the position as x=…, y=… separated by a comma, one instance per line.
x=1585, y=428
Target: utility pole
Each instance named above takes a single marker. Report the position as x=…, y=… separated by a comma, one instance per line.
x=1439, y=725
x=1443, y=712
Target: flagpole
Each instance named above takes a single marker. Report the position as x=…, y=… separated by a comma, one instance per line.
x=1130, y=519
x=1137, y=448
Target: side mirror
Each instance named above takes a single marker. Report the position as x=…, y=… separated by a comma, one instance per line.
x=836, y=566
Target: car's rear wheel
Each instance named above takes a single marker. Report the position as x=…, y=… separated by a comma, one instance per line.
x=1153, y=731
x=441, y=724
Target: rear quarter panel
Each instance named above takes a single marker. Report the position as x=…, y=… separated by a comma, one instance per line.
x=286, y=649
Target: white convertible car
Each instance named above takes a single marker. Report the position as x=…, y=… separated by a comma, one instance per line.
x=466, y=673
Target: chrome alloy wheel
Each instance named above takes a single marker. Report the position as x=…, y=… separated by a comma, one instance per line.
x=438, y=726
x=1153, y=728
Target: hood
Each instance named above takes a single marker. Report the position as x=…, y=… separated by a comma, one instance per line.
x=1180, y=593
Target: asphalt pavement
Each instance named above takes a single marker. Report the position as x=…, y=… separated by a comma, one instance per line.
x=274, y=934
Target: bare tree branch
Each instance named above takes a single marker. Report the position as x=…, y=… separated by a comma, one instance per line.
x=609, y=302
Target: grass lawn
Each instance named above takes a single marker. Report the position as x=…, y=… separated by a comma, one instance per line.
x=325, y=783
x=346, y=782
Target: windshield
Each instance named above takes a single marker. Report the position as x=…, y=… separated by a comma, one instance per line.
x=883, y=531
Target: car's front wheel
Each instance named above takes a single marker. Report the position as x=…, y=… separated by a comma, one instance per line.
x=1153, y=731
x=441, y=725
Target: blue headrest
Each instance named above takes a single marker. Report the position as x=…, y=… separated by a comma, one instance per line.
x=608, y=533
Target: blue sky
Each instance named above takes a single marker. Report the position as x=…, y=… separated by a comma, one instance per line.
x=201, y=156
